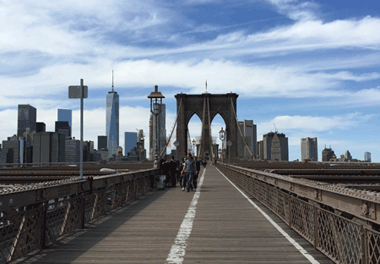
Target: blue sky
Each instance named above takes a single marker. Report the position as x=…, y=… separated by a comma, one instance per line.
x=312, y=68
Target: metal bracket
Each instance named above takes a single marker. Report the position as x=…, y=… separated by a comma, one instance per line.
x=368, y=209
x=318, y=195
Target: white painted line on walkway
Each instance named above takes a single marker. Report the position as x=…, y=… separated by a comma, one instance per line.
x=178, y=250
x=291, y=240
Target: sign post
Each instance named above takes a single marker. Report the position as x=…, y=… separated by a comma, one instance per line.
x=229, y=143
x=81, y=92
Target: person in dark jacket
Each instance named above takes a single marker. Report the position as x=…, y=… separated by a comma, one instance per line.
x=173, y=164
x=196, y=174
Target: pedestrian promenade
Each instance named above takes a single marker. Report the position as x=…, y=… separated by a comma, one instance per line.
x=215, y=224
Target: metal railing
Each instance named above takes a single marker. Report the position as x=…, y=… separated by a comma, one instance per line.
x=34, y=217
x=340, y=234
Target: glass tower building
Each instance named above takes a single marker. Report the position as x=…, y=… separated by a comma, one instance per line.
x=27, y=116
x=130, y=140
x=65, y=115
x=112, y=122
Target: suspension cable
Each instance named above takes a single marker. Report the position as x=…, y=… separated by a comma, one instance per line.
x=171, y=134
x=241, y=133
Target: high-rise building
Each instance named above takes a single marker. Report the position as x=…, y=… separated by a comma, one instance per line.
x=11, y=150
x=65, y=115
x=328, y=154
x=63, y=127
x=41, y=127
x=72, y=150
x=49, y=147
x=367, y=156
x=280, y=146
x=130, y=140
x=161, y=129
x=27, y=116
x=112, y=121
x=309, y=149
x=102, y=142
x=260, y=150
x=248, y=130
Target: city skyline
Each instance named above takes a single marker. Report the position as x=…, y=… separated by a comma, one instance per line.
x=312, y=68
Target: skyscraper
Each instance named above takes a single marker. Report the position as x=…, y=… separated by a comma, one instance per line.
x=130, y=140
x=367, y=156
x=102, y=142
x=248, y=130
x=279, y=146
x=309, y=148
x=328, y=154
x=112, y=121
x=27, y=116
x=63, y=127
x=65, y=115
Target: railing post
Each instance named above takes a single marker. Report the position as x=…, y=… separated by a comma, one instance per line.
x=315, y=226
x=44, y=225
x=83, y=211
x=364, y=253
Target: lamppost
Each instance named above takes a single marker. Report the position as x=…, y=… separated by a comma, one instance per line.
x=155, y=108
x=222, y=137
x=193, y=147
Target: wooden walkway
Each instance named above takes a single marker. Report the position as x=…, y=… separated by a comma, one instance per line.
x=226, y=229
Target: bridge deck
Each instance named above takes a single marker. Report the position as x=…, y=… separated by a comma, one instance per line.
x=226, y=229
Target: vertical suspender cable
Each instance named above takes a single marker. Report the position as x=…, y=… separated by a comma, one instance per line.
x=171, y=134
x=241, y=133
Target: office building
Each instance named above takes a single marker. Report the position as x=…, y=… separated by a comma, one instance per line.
x=64, y=128
x=49, y=147
x=161, y=130
x=260, y=150
x=102, y=142
x=11, y=150
x=40, y=127
x=248, y=130
x=112, y=122
x=367, y=156
x=27, y=116
x=328, y=154
x=279, y=146
x=309, y=149
x=65, y=115
x=130, y=140
x=72, y=150
x=88, y=151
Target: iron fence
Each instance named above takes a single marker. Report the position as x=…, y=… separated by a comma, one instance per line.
x=339, y=238
x=34, y=226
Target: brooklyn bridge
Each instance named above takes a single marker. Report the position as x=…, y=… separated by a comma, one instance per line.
x=243, y=211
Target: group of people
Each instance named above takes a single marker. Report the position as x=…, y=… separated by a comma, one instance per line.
x=186, y=172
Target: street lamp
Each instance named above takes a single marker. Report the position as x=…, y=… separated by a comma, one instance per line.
x=193, y=147
x=222, y=137
x=155, y=108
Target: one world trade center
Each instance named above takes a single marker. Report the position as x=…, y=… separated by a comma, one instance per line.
x=112, y=121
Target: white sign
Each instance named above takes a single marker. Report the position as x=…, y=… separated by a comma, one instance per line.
x=229, y=143
x=74, y=91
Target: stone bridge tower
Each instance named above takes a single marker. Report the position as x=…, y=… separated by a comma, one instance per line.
x=206, y=105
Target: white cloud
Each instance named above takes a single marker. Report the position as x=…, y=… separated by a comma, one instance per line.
x=313, y=123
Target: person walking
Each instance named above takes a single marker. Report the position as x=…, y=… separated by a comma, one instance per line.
x=196, y=174
x=190, y=169
x=173, y=171
x=182, y=180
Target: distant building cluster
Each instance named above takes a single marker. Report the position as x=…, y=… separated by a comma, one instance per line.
x=33, y=144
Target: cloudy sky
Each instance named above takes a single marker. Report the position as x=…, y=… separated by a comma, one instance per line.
x=309, y=67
